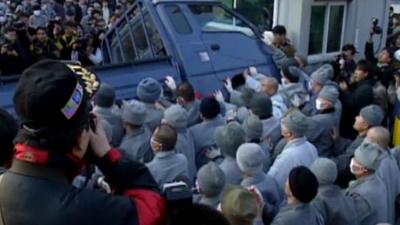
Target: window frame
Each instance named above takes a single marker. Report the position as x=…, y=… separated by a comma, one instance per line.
x=324, y=52
x=125, y=22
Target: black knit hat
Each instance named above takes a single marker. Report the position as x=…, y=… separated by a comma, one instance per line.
x=303, y=184
x=53, y=94
x=210, y=108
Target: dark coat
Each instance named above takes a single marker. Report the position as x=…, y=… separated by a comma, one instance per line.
x=36, y=194
x=353, y=100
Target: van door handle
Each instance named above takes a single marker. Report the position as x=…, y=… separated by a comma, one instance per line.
x=215, y=47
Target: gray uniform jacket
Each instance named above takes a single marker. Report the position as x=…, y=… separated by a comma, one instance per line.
x=298, y=214
x=319, y=132
x=193, y=110
x=137, y=145
x=389, y=173
x=297, y=152
x=185, y=146
x=153, y=116
x=115, y=121
x=294, y=95
x=271, y=131
x=233, y=175
x=269, y=188
x=370, y=201
x=334, y=207
x=168, y=166
x=203, y=138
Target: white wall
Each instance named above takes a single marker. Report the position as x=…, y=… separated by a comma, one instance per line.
x=296, y=16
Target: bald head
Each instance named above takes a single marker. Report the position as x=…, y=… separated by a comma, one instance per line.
x=379, y=136
x=269, y=86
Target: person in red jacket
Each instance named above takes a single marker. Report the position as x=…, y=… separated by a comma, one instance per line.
x=58, y=136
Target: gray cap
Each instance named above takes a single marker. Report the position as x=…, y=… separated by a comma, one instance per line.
x=330, y=71
x=261, y=105
x=242, y=114
x=329, y=93
x=176, y=116
x=247, y=95
x=373, y=115
x=320, y=76
x=369, y=155
x=105, y=96
x=149, y=90
x=229, y=137
x=211, y=179
x=253, y=127
x=250, y=158
x=325, y=170
x=296, y=122
x=134, y=112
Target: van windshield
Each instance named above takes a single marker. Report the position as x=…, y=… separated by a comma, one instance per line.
x=214, y=18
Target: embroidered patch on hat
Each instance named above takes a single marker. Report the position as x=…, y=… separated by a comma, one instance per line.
x=89, y=79
x=74, y=102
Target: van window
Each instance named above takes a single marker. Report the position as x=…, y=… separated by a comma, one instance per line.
x=153, y=34
x=115, y=48
x=139, y=36
x=135, y=37
x=214, y=18
x=178, y=19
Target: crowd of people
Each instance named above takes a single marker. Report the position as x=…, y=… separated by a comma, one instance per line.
x=316, y=147
x=33, y=30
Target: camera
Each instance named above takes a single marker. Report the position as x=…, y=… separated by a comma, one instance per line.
x=376, y=29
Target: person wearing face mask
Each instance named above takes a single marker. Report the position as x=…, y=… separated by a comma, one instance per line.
x=38, y=19
x=58, y=136
x=291, y=89
x=388, y=169
x=317, y=81
x=331, y=202
x=167, y=165
x=354, y=97
x=368, y=192
x=298, y=151
x=301, y=188
x=324, y=121
x=370, y=116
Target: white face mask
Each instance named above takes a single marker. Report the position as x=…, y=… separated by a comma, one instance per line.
x=355, y=168
x=36, y=12
x=3, y=19
x=310, y=85
x=284, y=82
x=318, y=104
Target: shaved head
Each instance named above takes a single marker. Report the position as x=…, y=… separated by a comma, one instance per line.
x=269, y=86
x=379, y=136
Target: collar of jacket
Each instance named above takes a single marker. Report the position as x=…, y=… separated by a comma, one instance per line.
x=296, y=142
x=359, y=181
x=136, y=132
x=165, y=154
x=329, y=189
x=254, y=179
x=210, y=201
x=102, y=110
x=69, y=164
